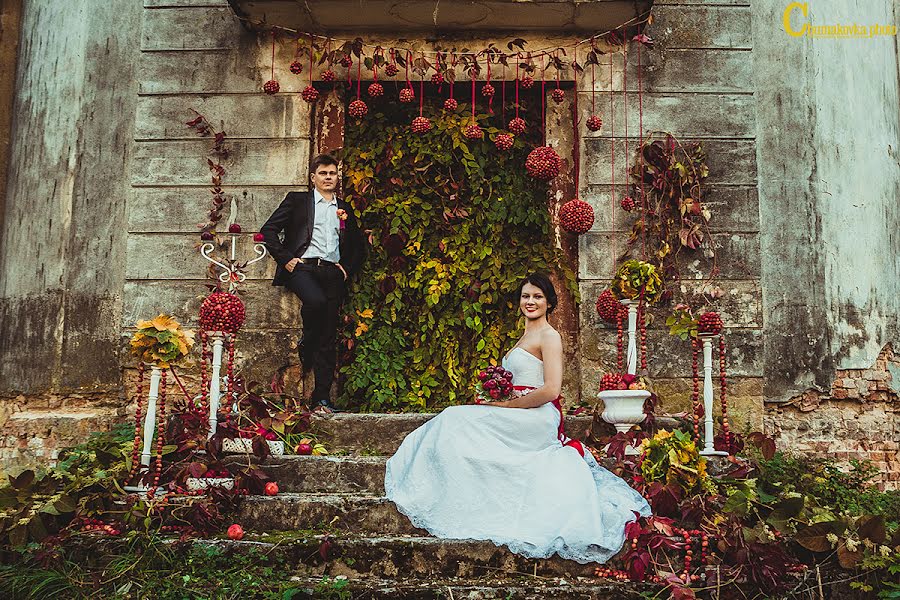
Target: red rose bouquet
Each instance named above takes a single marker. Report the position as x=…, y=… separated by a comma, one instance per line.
x=495, y=385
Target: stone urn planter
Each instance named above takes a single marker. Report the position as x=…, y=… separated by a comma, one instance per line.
x=624, y=409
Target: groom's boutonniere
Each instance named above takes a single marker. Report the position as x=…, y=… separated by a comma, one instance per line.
x=342, y=216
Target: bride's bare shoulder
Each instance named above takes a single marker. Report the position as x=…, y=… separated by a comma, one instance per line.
x=550, y=336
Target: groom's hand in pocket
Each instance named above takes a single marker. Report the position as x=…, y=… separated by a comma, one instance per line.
x=291, y=265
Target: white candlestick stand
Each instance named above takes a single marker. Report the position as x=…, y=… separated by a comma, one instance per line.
x=708, y=434
x=149, y=428
x=215, y=381
x=631, y=361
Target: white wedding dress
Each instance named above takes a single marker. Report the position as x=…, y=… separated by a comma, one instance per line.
x=504, y=475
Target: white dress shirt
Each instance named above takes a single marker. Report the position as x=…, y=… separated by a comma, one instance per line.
x=325, y=241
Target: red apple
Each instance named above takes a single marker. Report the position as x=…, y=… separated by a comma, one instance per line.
x=304, y=449
x=271, y=488
x=235, y=532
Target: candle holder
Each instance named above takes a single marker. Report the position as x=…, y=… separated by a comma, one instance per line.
x=233, y=270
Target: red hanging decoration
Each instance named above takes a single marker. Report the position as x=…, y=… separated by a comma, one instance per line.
x=204, y=375
x=696, y=407
x=391, y=69
x=297, y=66
x=642, y=307
x=310, y=93
x=406, y=94
x=543, y=102
x=230, y=388
x=625, y=111
x=438, y=77
x=487, y=90
x=450, y=103
x=723, y=382
x=473, y=131
x=271, y=86
x=138, y=414
x=558, y=94
x=328, y=74
x=594, y=123
x=576, y=216
x=375, y=89
x=160, y=433
x=358, y=108
x=421, y=124
x=612, y=162
x=517, y=125
x=620, y=341
x=641, y=156
x=503, y=93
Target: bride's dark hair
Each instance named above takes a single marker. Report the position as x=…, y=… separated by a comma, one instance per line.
x=543, y=282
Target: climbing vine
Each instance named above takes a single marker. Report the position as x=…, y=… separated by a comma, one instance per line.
x=453, y=225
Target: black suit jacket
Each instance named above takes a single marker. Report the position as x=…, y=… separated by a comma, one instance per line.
x=295, y=217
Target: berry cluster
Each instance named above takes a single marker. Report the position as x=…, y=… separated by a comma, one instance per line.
x=296, y=67
x=328, y=75
x=609, y=309
x=496, y=384
x=222, y=311
x=517, y=126
x=610, y=573
x=488, y=91
x=407, y=95
x=558, y=95
x=391, y=70
x=628, y=204
x=310, y=94
x=358, y=109
x=473, y=132
x=543, y=163
x=594, y=123
x=451, y=104
x=421, y=125
x=216, y=473
x=612, y=381
x=576, y=216
x=88, y=524
x=375, y=90
x=346, y=61
x=504, y=141
x=710, y=323
x=437, y=78
x=691, y=536
x=271, y=87
x=527, y=82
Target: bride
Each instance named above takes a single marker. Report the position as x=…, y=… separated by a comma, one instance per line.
x=505, y=471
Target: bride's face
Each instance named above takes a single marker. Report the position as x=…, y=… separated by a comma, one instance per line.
x=532, y=302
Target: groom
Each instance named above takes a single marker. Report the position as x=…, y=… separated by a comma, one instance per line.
x=321, y=249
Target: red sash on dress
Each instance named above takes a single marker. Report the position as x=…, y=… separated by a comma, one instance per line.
x=561, y=434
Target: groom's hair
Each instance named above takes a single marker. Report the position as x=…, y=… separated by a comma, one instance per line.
x=322, y=160
x=543, y=282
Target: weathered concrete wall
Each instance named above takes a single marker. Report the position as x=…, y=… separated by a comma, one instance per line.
x=10, y=22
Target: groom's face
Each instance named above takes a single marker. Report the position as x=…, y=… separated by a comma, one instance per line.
x=325, y=178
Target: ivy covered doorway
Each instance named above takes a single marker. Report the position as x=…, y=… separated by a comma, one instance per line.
x=454, y=223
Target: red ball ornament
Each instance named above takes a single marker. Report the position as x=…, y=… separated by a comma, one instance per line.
x=558, y=95
x=296, y=67
x=437, y=78
x=271, y=87
x=517, y=126
x=488, y=91
x=391, y=70
x=527, y=82
x=328, y=75
x=710, y=323
x=234, y=228
x=608, y=308
x=271, y=488
x=235, y=532
x=358, y=109
x=222, y=311
x=504, y=141
x=258, y=237
x=543, y=163
x=451, y=104
x=594, y=123
x=628, y=204
x=407, y=95
x=576, y=216
x=375, y=90
x=310, y=94
x=421, y=125
x=473, y=132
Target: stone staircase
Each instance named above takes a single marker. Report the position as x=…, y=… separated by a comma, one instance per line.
x=341, y=498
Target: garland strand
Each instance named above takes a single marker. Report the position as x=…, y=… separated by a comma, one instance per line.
x=641, y=158
x=612, y=161
x=138, y=413
x=273, y=54
x=695, y=393
x=543, y=103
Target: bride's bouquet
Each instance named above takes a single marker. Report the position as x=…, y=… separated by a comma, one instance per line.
x=495, y=385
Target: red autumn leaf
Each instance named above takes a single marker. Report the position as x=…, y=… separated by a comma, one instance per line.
x=324, y=548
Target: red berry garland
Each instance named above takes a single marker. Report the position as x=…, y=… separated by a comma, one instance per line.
x=310, y=94
x=517, y=126
x=594, y=123
x=608, y=308
x=421, y=125
x=710, y=323
x=271, y=87
x=473, y=132
x=328, y=75
x=543, y=163
x=160, y=432
x=723, y=381
x=576, y=216
x=450, y=104
x=375, y=90
x=204, y=376
x=558, y=95
x=138, y=413
x=504, y=141
x=628, y=204
x=696, y=407
x=358, y=109
x=642, y=323
x=527, y=82
x=222, y=311
x=620, y=339
x=407, y=95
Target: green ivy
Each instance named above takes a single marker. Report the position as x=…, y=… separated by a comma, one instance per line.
x=453, y=225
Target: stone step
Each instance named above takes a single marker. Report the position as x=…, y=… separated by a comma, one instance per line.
x=381, y=434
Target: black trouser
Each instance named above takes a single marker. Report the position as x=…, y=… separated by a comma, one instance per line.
x=321, y=290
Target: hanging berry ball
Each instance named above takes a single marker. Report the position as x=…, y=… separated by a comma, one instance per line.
x=358, y=109
x=608, y=308
x=296, y=67
x=594, y=123
x=346, y=61
x=527, y=82
x=558, y=95
x=576, y=216
x=328, y=75
x=473, y=132
x=407, y=95
x=612, y=381
x=710, y=323
x=543, y=163
x=271, y=87
x=234, y=228
x=504, y=141
x=517, y=126
x=375, y=90
x=451, y=104
x=628, y=204
x=487, y=90
x=437, y=78
x=421, y=125
x=310, y=94
x=222, y=311
x=391, y=70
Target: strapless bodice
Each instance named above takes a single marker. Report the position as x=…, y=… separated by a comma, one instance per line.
x=527, y=369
